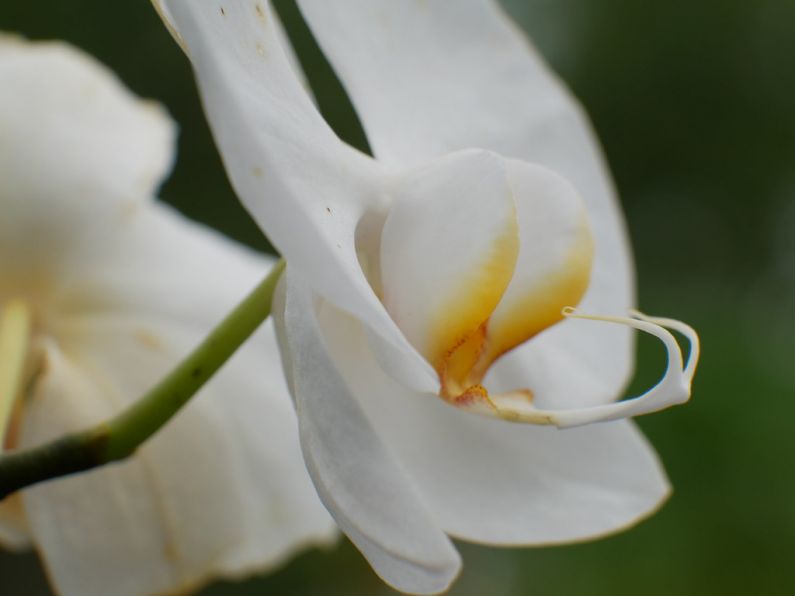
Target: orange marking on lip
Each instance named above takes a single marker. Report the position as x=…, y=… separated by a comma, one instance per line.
x=527, y=316
x=463, y=367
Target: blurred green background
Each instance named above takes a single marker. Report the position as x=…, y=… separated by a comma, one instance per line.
x=694, y=103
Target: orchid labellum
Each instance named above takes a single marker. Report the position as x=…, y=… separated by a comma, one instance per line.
x=430, y=289
x=102, y=291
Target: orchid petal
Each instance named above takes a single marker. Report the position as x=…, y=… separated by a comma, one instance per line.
x=247, y=507
x=67, y=119
x=448, y=250
x=72, y=118
x=364, y=488
x=307, y=189
x=117, y=277
x=174, y=525
x=428, y=78
x=491, y=482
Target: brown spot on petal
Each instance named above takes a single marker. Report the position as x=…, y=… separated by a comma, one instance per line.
x=148, y=339
x=170, y=551
x=260, y=12
x=473, y=396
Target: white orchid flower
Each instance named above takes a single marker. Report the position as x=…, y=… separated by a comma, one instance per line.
x=429, y=283
x=106, y=290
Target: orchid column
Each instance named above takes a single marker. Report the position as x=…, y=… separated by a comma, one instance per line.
x=430, y=294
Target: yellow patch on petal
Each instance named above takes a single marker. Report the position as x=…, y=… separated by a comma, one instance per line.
x=474, y=299
x=455, y=376
x=540, y=308
x=464, y=368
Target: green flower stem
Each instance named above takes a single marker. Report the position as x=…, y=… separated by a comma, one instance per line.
x=119, y=437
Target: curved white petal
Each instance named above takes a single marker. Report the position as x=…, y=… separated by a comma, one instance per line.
x=77, y=150
x=448, y=250
x=432, y=77
x=366, y=491
x=494, y=482
x=306, y=189
x=154, y=262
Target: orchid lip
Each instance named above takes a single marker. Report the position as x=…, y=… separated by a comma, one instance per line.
x=673, y=388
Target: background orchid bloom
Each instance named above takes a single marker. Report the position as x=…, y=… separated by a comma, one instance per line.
x=121, y=287
x=485, y=213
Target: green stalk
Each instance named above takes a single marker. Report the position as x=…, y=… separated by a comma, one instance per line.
x=119, y=437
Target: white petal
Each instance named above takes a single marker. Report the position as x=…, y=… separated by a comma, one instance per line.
x=306, y=189
x=159, y=522
x=77, y=148
x=432, y=77
x=365, y=490
x=448, y=249
x=494, y=482
x=154, y=262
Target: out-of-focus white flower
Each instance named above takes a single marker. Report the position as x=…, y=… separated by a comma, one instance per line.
x=120, y=287
x=486, y=214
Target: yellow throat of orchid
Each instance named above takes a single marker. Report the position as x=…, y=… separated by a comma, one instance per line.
x=479, y=254
x=463, y=359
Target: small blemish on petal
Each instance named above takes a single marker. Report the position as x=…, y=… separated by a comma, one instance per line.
x=130, y=209
x=223, y=12
x=171, y=551
x=260, y=12
x=148, y=339
x=257, y=171
x=261, y=49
